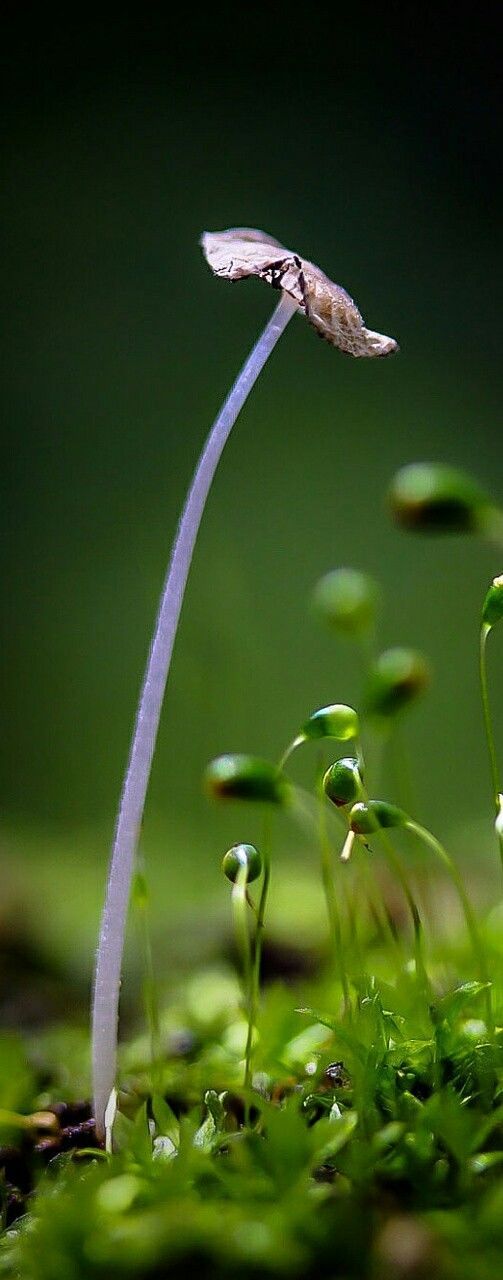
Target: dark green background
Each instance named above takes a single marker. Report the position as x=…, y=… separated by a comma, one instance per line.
x=369, y=143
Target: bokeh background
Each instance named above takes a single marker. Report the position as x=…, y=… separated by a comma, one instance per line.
x=368, y=141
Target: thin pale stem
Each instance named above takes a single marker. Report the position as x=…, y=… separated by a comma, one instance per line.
x=378, y=907
x=319, y=822
x=113, y=923
x=333, y=913
x=257, y=954
x=292, y=746
x=394, y=862
x=240, y=911
x=352, y=898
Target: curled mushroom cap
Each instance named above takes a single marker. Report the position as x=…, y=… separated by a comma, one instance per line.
x=242, y=251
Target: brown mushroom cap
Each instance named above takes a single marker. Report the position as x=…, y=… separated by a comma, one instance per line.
x=242, y=251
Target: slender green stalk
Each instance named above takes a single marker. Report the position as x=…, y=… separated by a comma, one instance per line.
x=352, y=898
x=241, y=865
x=332, y=905
x=348, y=718
x=333, y=913
x=257, y=950
x=240, y=910
x=337, y=721
x=471, y=921
x=395, y=863
x=292, y=746
x=375, y=898
x=317, y=820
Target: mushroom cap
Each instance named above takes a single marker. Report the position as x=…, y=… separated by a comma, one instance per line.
x=242, y=251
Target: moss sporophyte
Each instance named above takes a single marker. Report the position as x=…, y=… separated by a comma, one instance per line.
x=429, y=497
x=234, y=254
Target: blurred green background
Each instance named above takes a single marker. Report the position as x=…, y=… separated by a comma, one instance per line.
x=368, y=142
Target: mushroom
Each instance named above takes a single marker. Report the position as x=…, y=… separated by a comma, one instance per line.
x=233, y=254
x=243, y=252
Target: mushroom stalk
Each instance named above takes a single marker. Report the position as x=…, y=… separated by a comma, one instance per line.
x=132, y=803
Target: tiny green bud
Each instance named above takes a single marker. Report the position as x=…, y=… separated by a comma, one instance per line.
x=342, y=782
x=435, y=498
x=397, y=677
x=492, y=610
x=244, y=777
x=347, y=599
x=368, y=816
x=242, y=857
x=337, y=721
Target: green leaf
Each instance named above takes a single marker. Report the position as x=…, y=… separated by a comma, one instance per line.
x=452, y=1004
x=341, y=1129
x=166, y=1122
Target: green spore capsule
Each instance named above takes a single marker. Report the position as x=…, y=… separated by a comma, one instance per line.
x=242, y=777
x=397, y=678
x=342, y=782
x=492, y=610
x=371, y=815
x=242, y=857
x=435, y=498
x=347, y=599
x=337, y=721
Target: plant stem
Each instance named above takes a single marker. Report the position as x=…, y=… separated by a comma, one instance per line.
x=257, y=955
x=352, y=900
x=311, y=812
x=113, y=923
x=333, y=913
x=240, y=910
x=471, y=922
x=292, y=746
x=377, y=906
x=395, y=863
